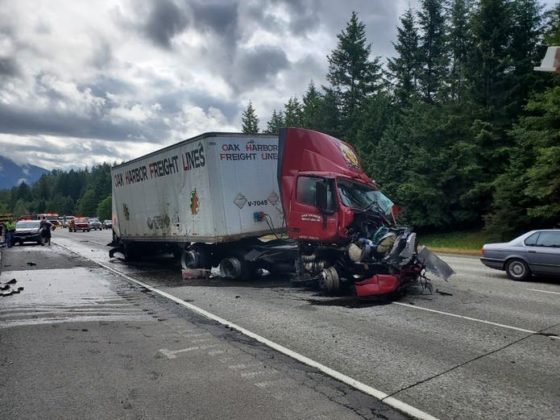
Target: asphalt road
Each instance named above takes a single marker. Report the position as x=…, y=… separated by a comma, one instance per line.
x=480, y=346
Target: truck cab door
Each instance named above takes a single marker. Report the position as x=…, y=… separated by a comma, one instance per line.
x=313, y=212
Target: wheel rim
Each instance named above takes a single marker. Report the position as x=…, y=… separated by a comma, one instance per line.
x=517, y=269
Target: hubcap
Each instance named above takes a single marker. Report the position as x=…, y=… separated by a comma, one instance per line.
x=517, y=269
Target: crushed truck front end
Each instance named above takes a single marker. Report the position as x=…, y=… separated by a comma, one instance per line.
x=345, y=227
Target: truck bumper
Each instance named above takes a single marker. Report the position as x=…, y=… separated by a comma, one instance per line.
x=380, y=284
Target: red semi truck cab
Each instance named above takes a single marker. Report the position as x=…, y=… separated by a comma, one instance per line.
x=343, y=224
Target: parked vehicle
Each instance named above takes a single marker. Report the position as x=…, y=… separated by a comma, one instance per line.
x=107, y=224
x=535, y=252
x=95, y=224
x=79, y=223
x=212, y=197
x=27, y=231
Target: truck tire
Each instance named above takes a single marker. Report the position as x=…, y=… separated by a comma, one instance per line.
x=130, y=252
x=236, y=269
x=196, y=256
x=330, y=281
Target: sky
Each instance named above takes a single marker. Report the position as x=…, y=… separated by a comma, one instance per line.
x=86, y=82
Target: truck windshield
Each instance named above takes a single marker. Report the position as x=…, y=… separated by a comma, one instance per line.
x=363, y=197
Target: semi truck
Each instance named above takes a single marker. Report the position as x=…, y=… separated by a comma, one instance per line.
x=297, y=203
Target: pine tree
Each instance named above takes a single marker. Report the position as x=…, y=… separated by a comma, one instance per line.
x=275, y=124
x=311, y=105
x=352, y=75
x=525, y=39
x=293, y=113
x=404, y=68
x=527, y=195
x=249, y=120
x=552, y=27
x=434, y=59
x=489, y=59
x=460, y=43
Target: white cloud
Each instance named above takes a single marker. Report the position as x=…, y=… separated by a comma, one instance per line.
x=108, y=80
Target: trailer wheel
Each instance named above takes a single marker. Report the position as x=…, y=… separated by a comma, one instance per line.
x=195, y=257
x=236, y=269
x=130, y=252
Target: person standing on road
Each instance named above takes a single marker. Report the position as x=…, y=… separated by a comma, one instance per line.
x=10, y=228
x=46, y=231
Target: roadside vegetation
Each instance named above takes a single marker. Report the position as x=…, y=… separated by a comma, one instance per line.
x=457, y=128
x=84, y=192
x=468, y=242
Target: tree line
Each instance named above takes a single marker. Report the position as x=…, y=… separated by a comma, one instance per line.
x=457, y=128
x=83, y=192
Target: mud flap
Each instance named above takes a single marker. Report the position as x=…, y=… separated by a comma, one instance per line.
x=435, y=264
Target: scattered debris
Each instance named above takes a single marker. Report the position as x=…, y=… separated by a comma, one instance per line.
x=10, y=290
x=195, y=273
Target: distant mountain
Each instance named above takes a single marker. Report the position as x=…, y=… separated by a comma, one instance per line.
x=12, y=174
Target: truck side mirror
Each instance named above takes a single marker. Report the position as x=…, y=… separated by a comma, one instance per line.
x=322, y=197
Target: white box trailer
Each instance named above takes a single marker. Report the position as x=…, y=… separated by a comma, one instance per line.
x=216, y=187
x=207, y=199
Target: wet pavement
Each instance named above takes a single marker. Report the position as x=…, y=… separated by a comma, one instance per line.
x=80, y=342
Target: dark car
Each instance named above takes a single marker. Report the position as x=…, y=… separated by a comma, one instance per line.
x=27, y=231
x=107, y=224
x=95, y=224
x=535, y=252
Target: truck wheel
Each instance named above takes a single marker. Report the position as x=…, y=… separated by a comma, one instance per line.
x=236, y=269
x=130, y=252
x=517, y=269
x=329, y=280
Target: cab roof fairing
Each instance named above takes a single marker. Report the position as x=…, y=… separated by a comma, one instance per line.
x=307, y=151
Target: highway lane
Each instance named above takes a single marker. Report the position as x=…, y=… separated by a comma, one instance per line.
x=479, y=350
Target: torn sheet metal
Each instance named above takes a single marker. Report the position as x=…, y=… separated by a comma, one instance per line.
x=434, y=264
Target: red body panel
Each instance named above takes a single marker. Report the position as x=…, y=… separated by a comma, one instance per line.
x=379, y=284
x=310, y=152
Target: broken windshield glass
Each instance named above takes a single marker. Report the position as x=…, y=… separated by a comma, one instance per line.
x=363, y=197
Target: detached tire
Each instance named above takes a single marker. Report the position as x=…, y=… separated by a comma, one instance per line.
x=517, y=269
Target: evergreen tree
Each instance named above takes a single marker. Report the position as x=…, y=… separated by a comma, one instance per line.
x=404, y=68
x=528, y=193
x=552, y=27
x=525, y=54
x=275, y=124
x=352, y=75
x=490, y=60
x=249, y=120
x=424, y=164
x=293, y=113
x=311, y=105
x=379, y=113
x=460, y=43
x=434, y=59
x=328, y=115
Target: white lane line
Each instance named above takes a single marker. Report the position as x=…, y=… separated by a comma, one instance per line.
x=468, y=318
x=544, y=291
x=360, y=386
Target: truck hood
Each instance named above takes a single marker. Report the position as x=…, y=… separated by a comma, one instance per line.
x=302, y=150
